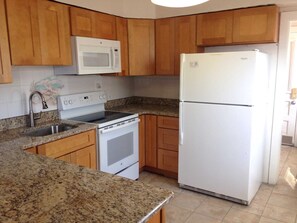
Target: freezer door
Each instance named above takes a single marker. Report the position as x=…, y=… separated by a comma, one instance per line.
x=214, y=150
x=228, y=78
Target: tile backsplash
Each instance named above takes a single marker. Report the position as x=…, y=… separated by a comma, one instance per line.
x=14, y=98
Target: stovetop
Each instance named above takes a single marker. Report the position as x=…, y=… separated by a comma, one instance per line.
x=104, y=117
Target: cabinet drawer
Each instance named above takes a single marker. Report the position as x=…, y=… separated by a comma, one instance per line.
x=168, y=160
x=168, y=139
x=67, y=145
x=168, y=122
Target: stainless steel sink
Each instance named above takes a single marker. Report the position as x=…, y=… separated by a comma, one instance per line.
x=49, y=130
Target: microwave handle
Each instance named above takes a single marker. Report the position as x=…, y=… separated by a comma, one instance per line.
x=113, y=58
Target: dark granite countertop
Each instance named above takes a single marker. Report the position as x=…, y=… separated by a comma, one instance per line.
x=142, y=109
x=35, y=188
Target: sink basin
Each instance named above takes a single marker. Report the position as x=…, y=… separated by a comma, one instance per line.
x=49, y=130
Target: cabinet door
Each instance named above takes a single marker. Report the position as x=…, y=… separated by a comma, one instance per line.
x=105, y=26
x=141, y=128
x=5, y=67
x=141, y=40
x=22, y=18
x=185, y=38
x=151, y=140
x=122, y=36
x=256, y=25
x=85, y=157
x=165, y=46
x=214, y=28
x=31, y=150
x=82, y=22
x=168, y=139
x=54, y=33
x=168, y=160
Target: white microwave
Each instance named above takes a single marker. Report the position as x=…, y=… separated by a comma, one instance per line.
x=92, y=56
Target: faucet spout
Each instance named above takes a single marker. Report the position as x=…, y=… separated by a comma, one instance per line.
x=31, y=113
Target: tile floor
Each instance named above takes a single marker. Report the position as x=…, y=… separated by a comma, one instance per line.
x=272, y=204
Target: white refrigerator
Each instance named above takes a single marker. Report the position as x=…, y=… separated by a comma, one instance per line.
x=222, y=123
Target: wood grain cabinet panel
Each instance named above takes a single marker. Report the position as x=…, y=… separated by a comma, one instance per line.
x=159, y=217
x=38, y=32
x=214, y=28
x=141, y=133
x=24, y=34
x=105, y=26
x=82, y=22
x=168, y=160
x=5, y=67
x=256, y=25
x=122, y=36
x=168, y=122
x=78, y=149
x=168, y=139
x=141, y=40
x=185, y=39
x=165, y=36
x=151, y=141
x=31, y=150
x=54, y=33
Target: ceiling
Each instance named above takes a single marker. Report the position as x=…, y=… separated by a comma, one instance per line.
x=145, y=9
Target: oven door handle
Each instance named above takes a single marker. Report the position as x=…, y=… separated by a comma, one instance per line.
x=102, y=131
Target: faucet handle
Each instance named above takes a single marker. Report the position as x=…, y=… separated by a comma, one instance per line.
x=44, y=104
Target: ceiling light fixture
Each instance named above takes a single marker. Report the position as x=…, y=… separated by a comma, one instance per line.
x=178, y=3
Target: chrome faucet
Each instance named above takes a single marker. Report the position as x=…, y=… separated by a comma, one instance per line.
x=31, y=113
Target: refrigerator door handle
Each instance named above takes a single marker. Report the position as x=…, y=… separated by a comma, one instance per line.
x=181, y=127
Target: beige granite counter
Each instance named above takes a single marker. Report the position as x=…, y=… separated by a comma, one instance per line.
x=142, y=109
x=34, y=188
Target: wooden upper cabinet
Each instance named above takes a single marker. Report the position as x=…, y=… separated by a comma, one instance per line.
x=256, y=25
x=165, y=33
x=214, y=28
x=54, y=33
x=105, y=26
x=122, y=36
x=22, y=18
x=38, y=32
x=5, y=67
x=141, y=40
x=185, y=38
x=89, y=23
x=82, y=22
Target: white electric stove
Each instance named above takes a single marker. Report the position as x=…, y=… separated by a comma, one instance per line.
x=117, y=132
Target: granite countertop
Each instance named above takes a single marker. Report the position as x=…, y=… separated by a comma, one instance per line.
x=35, y=188
x=142, y=109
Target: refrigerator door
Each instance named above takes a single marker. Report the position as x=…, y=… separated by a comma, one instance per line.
x=214, y=151
x=227, y=78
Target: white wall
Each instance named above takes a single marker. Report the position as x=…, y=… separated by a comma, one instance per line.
x=160, y=87
x=145, y=9
x=14, y=97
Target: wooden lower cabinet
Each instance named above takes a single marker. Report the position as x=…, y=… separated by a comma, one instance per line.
x=141, y=133
x=84, y=157
x=159, y=136
x=31, y=150
x=151, y=141
x=78, y=149
x=159, y=217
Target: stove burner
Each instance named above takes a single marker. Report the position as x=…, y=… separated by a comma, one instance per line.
x=101, y=117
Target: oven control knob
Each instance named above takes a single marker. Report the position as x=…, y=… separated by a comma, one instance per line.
x=65, y=102
x=70, y=102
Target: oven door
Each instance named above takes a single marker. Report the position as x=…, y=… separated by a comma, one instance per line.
x=118, y=147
